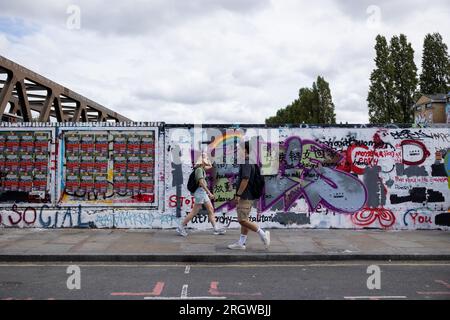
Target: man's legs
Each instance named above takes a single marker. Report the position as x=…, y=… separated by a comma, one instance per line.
x=243, y=211
x=247, y=225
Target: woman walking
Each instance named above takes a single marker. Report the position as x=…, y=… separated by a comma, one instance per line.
x=202, y=196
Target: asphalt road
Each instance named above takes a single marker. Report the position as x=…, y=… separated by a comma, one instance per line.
x=277, y=281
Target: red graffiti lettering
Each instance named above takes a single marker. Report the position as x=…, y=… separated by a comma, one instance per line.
x=409, y=151
x=368, y=216
x=417, y=218
x=174, y=201
x=150, y=198
x=423, y=219
x=414, y=217
x=358, y=163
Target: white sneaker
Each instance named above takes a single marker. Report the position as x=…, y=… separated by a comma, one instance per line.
x=219, y=231
x=181, y=231
x=237, y=246
x=266, y=239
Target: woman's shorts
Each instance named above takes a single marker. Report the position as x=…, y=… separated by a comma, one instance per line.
x=201, y=197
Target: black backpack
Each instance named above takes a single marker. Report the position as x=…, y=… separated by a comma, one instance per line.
x=192, y=185
x=257, y=184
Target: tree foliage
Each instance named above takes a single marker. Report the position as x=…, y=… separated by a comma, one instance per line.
x=313, y=105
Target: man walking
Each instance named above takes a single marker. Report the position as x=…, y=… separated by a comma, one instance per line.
x=244, y=200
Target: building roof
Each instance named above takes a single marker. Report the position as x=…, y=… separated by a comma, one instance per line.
x=431, y=98
x=437, y=97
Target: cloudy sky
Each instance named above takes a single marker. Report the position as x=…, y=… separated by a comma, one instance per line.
x=211, y=61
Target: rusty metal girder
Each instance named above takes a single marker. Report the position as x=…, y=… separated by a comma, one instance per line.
x=26, y=96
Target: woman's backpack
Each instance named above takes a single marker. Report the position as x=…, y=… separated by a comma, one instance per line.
x=192, y=185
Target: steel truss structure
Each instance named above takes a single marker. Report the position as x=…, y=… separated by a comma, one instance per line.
x=26, y=96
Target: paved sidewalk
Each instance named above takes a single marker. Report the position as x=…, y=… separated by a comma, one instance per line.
x=203, y=246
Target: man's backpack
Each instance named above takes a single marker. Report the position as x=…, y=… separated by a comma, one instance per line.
x=257, y=184
x=192, y=185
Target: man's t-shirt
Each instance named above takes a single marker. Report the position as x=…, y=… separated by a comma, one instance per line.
x=246, y=171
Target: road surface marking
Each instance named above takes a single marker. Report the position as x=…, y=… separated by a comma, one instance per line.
x=443, y=282
x=435, y=293
x=431, y=293
x=186, y=298
x=184, y=291
x=214, y=291
x=156, y=292
x=230, y=265
x=188, y=268
x=375, y=297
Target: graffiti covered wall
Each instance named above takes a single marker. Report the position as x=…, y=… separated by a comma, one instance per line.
x=321, y=177
x=135, y=175
x=81, y=175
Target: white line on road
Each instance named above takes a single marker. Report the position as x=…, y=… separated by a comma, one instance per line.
x=375, y=297
x=212, y=265
x=430, y=293
x=184, y=291
x=186, y=298
x=188, y=268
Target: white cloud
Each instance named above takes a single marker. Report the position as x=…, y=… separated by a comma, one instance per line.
x=211, y=61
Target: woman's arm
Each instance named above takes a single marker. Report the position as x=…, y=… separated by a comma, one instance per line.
x=203, y=184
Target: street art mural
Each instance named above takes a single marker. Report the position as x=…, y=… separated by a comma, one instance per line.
x=322, y=177
x=134, y=175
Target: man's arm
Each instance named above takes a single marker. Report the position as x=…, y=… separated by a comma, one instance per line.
x=242, y=187
x=246, y=172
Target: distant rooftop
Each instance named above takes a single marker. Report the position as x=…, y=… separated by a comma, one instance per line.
x=437, y=97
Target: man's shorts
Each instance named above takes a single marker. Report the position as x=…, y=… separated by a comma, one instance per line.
x=243, y=209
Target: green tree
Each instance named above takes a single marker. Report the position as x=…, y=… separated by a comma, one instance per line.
x=404, y=78
x=435, y=77
x=381, y=97
x=325, y=100
x=314, y=105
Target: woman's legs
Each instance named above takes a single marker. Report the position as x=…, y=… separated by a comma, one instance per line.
x=192, y=214
x=211, y=215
